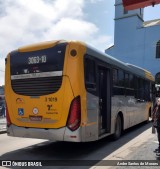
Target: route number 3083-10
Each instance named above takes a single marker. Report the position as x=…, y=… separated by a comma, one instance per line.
x=37, y=59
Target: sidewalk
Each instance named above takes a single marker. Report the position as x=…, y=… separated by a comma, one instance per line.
x=2, y=125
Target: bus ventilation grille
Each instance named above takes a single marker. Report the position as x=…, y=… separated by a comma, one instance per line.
x=37, y=86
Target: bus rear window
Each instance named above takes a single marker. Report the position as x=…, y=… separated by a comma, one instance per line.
x=36, y=62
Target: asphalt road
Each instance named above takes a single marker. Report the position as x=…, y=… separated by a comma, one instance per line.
x=136, y=143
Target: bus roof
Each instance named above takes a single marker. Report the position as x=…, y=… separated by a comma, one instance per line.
x=97, y=54
x=125, y=66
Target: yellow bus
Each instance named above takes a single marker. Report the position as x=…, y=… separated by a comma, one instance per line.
x=69, y=91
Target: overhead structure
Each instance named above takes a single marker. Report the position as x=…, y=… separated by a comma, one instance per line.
x=135, y=4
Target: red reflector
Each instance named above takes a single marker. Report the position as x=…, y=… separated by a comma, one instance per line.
x=74, y=118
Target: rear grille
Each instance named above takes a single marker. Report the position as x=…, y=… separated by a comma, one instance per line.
x=37, y=86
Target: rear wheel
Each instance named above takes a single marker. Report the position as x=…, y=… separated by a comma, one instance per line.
x=118, y=128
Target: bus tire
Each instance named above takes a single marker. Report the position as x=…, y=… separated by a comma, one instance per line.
x=118, y=128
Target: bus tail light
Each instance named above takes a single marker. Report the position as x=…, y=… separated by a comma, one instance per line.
x=74, y=118
x=7, y=117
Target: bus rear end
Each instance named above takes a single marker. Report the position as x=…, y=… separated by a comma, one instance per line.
x=42, y=101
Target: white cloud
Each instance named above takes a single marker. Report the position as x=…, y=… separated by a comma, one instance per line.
x=95, y=1
x=69, y=28
x=24, y=22
x=103, y=41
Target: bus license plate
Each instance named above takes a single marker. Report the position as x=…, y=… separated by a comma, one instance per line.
x=35, y=118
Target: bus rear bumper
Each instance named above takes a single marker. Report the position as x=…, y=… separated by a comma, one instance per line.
x=61, y=134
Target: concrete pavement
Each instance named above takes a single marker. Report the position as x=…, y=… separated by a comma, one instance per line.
x=139, y=148
x=2, y=125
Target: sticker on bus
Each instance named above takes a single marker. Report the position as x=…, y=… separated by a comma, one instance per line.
x=20, y=111
x=19, y=101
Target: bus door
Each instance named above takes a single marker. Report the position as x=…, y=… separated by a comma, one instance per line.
x=104, y=100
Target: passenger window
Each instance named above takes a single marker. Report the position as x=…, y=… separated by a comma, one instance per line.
x=115, y=77
x=90, y=75
x=120, y=78
x=131, y=81
x=127, y=80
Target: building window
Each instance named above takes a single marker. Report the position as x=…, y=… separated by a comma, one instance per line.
x=157, y=78
x=125, y=11
x=140, y=11
x=158, y=49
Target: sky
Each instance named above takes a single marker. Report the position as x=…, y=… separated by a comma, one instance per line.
x=24, y=22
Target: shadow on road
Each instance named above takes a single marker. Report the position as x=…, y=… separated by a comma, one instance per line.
x=75, y=151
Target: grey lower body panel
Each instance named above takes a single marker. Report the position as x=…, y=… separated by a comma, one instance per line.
x=61, y=134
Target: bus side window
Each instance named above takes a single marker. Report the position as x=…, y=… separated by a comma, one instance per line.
x=147, y=91
x=131, y=81
x=127, y=80
x=140, y=89
x=90, y=75
x=121, y=78
x=118, y=82
x=115, y=77
x=129, y=84
x=136, y=87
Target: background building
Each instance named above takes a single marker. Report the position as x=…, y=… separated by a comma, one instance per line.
x=135, y=41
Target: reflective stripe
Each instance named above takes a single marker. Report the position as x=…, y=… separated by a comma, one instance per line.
x=36, y=75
